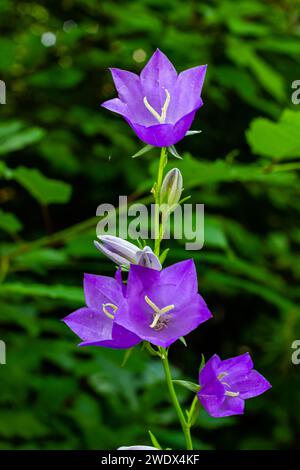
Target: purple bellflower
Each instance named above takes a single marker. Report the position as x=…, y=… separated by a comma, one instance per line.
x=160, y=104
x=163, y=305
x=225, y=385
x=95, y=324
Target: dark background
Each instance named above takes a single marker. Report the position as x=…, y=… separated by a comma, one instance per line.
x=62, y=155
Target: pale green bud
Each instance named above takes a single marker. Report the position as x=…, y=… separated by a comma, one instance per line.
x=171, y=188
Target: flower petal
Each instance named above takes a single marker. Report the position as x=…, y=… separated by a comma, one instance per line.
x=183, y=321
x=99, y=290
x=237, y=365
x=186, y=92
x=219, y=407
x=120, y=339
x=164, y=135
x=130, y=92
x=140, y=277
x=209, y=372
x=251, y=385
x=89, y=325
x=117, y=106
x=179, y=273
x=157, y=75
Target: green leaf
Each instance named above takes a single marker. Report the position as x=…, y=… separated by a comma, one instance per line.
x=127, y=355
x=8, y=128
x=243, y=53
x=141, y=152
x=174, y=152
x=41, y=260
x=194, y=412
x=202, y=364
x=45, y=190
x=17, y=141
x=9, y=222
x=154, y=441
x=60, y=292
x=188, y=385
x=164, y=255
x=149, y=348
x=192, y=133
x=21, y=424
x=182, y=339
x=276, y=140
x=56, y=77
x=203, y=173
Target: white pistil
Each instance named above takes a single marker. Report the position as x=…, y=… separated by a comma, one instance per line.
x=232, y=394
x=158, y=312
x=161, y=118
x=107, y=313
x=221, y=375
x=227, y=392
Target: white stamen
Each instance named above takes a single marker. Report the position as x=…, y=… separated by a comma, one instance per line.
x=158, y=311
x=232, y=394
x=160, y=117
x=107, y=313
x=222, y=374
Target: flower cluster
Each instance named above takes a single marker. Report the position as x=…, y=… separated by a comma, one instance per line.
x=157, y=305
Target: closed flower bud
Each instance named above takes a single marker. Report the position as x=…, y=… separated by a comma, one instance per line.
x=171, y=189
x=125, y=253
x=147, y=258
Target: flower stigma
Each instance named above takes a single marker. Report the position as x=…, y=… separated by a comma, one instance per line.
x=232, y=394
x=227, y=393
x=160, y=319
x=160, y=117
x=107, y=313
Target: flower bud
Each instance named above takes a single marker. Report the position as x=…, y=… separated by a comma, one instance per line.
x=118, y=250
x=147, y=258
x=171, y=189
x=125, y=253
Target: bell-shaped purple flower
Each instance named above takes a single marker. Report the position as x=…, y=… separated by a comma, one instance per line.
x=160, y=104
x=225, y=385
x=163, y=305
x=95, y=324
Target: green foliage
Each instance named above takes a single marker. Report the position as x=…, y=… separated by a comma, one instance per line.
x=276, y=139
x=56, y=142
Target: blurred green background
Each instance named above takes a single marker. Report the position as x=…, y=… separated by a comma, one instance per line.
x=61, y=156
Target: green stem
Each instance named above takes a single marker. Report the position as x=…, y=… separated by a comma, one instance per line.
x=160, y=174
x=184, y=424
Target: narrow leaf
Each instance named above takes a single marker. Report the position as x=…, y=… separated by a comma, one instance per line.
x=189, y=385
x=163, y=256
x=202, y=364
x=182, y=339
x=192, y=133
x=174, y=152
x=141, y=152
x=127, y=355
x=9, y=222
x=154, y=441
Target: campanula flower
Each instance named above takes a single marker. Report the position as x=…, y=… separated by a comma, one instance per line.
x=163, y=305
x=95, y=324
x=160, y=104
x=225, y=385
x=125, y=253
